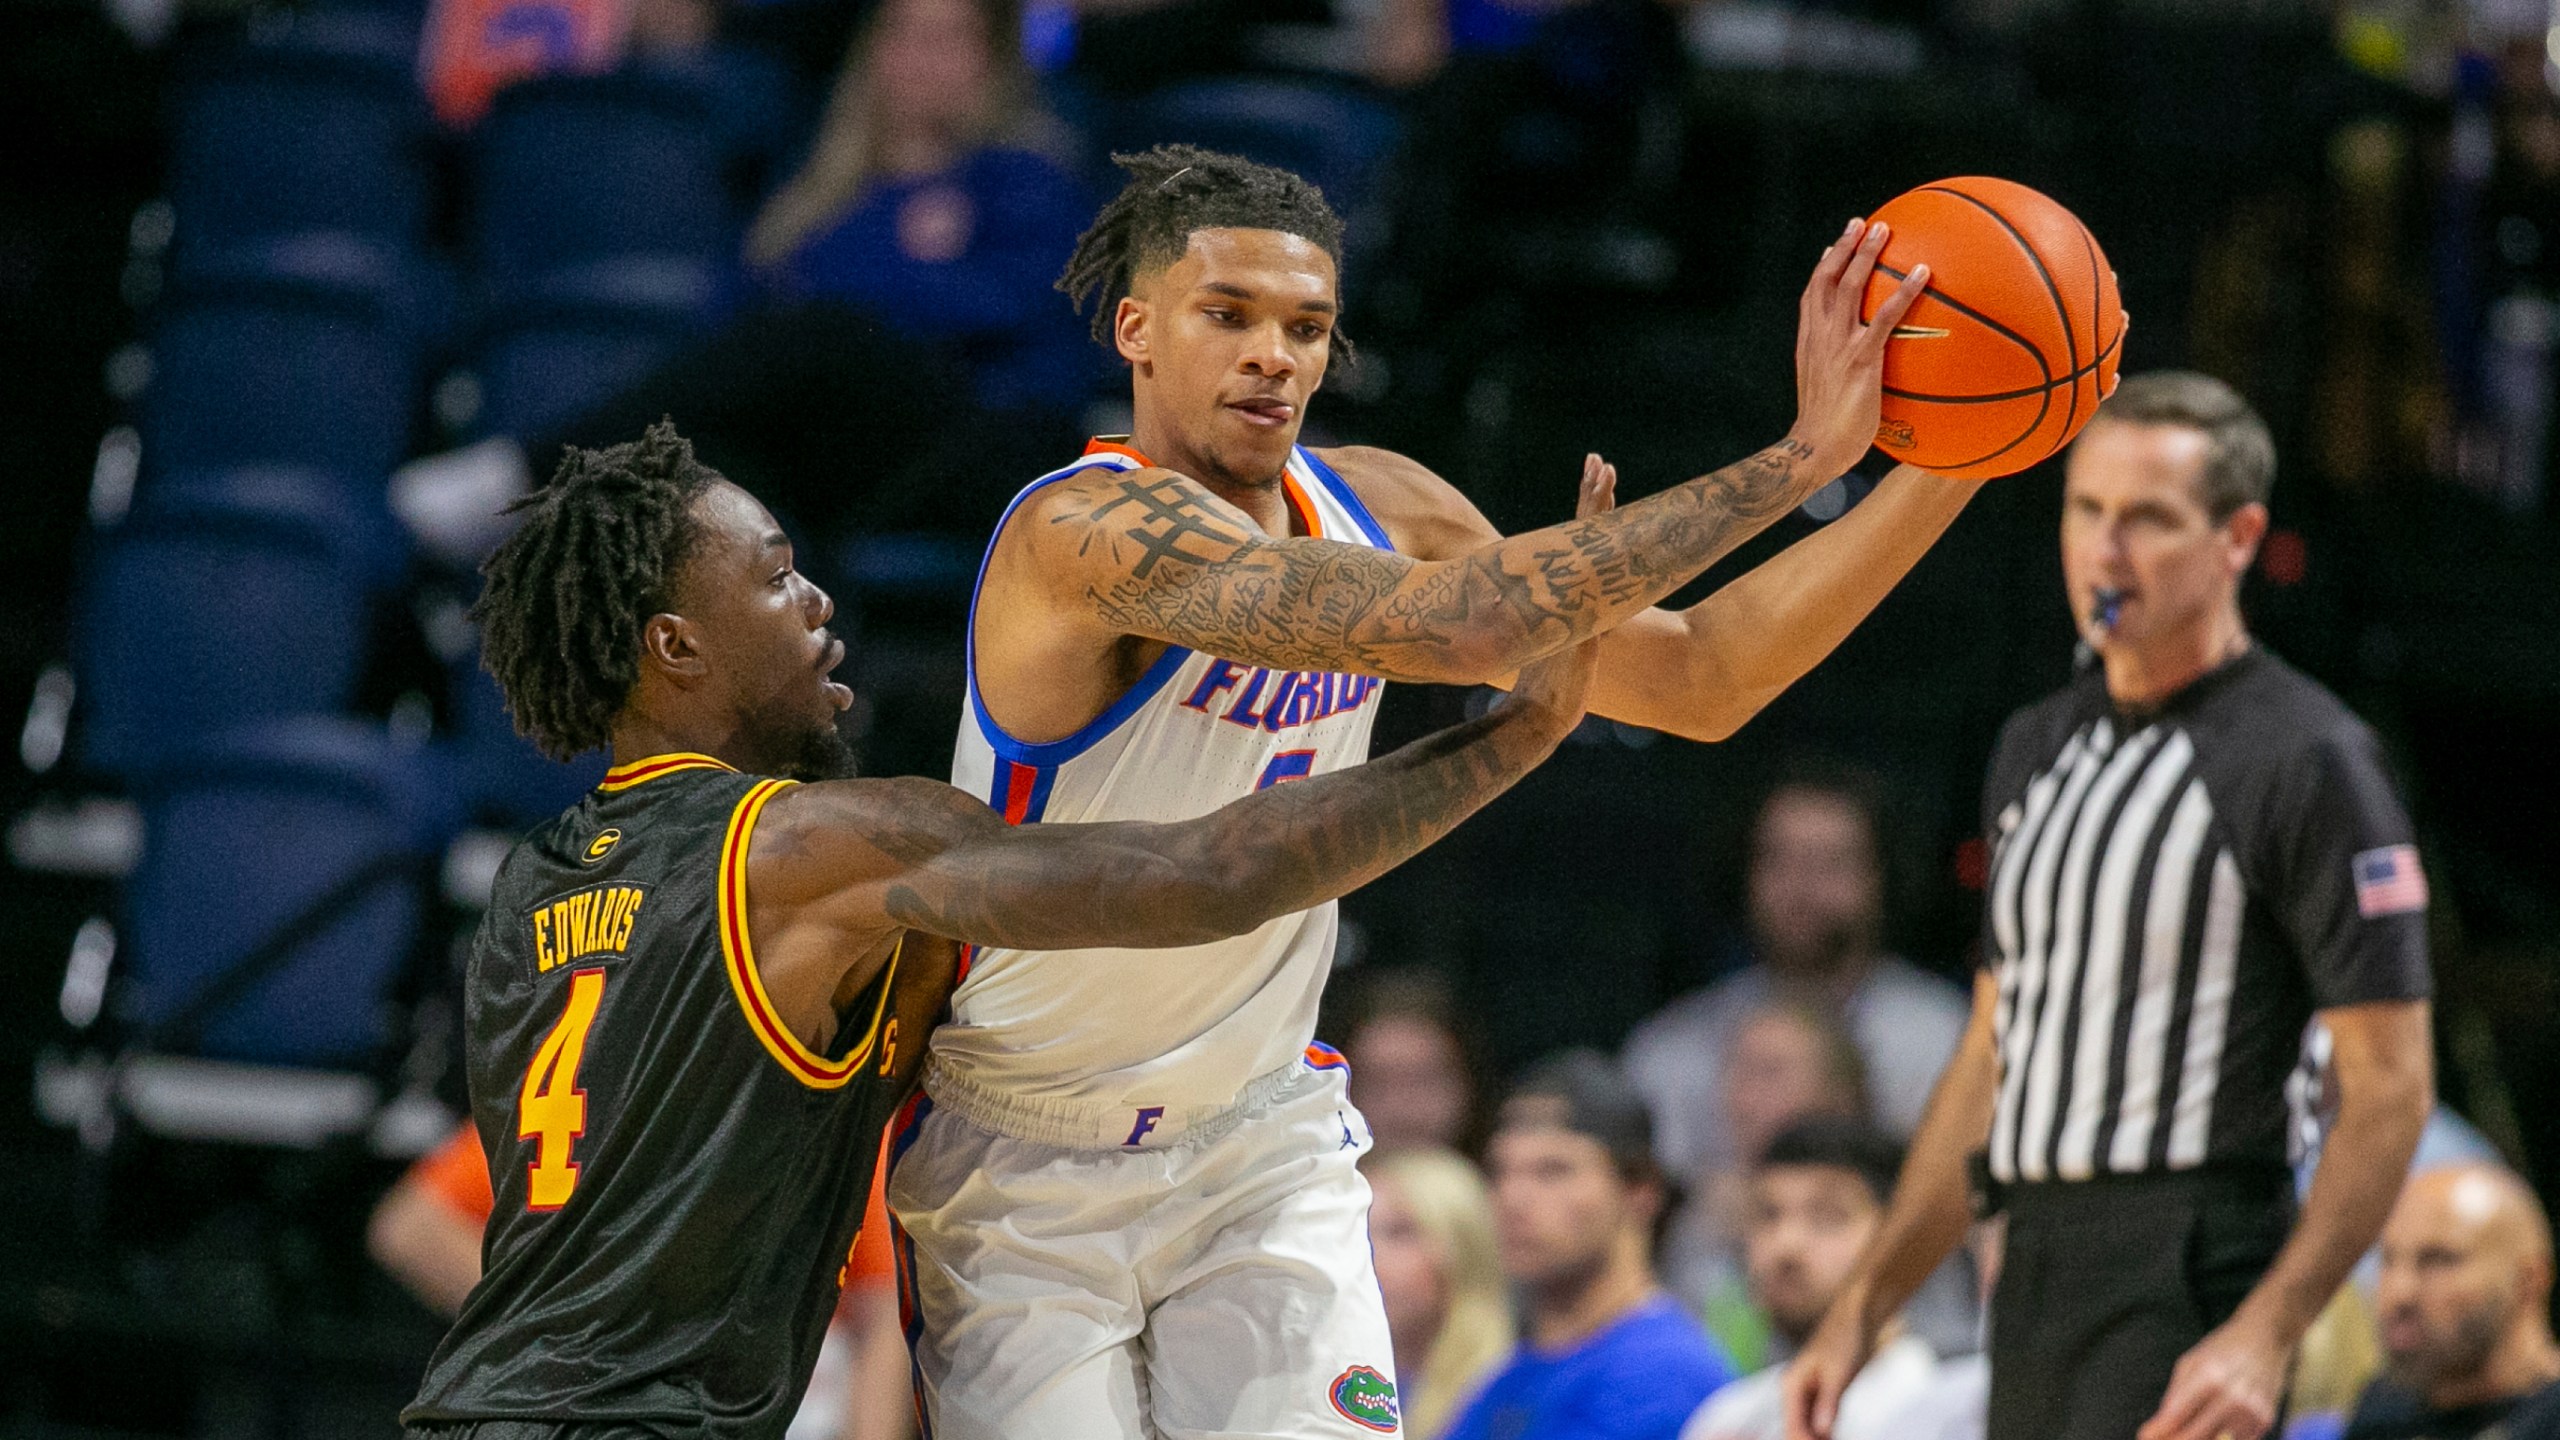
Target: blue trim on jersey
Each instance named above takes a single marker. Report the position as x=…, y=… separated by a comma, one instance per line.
x=1052, y=753
x=1035, y=805
x=1043, y=779
x=1344, y=496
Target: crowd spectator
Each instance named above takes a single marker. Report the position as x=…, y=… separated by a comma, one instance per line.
x=934, y=198
x=1817, y=1194
x=1415, y=1071
x=1788, y=1062
x=475, y=48
x=1816, y=898
x=903, y=360
x=1578, y=1196
x=2465, y=1314
x=1440, y=1274
x=426, y=1232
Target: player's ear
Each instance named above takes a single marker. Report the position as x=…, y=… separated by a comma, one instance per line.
x=1129, y=331
x=670, y=643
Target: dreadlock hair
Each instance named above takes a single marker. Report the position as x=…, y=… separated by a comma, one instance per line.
x=568, y=592
x=1172, y=191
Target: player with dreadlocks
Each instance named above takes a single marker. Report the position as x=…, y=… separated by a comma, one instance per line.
x=1132, y=1201
x=699, y=994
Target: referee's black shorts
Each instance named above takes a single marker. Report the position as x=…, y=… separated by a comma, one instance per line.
x=2104, y=1283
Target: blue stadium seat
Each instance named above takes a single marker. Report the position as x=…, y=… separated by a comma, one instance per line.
x=551, y=369
x=244, y=833
x=198, y=613
x=312, y=122
x=1332, y=136
x=503, y=778
x=261, y=373
x=354, y=510
x=568, y=170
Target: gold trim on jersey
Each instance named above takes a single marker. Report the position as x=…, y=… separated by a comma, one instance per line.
x=738, y=953
x=623, y=777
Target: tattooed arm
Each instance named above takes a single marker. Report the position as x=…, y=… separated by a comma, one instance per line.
x=1153, y=554
x=869, y=856
x=1704, y=671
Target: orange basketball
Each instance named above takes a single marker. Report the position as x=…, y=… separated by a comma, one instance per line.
x=2016, y=340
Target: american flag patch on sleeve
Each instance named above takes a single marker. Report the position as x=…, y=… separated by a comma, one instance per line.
x=2389, y=882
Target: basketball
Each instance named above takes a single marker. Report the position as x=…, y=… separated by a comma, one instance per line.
x=2016, y=340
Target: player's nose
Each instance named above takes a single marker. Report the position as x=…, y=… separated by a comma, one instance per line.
x=820, y=605
x=1267, y=353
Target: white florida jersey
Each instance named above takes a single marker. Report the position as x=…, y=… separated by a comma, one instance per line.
x=1186, y=1026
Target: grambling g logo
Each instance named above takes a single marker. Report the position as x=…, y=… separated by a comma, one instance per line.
x=604, y=841
x=1366, y=1399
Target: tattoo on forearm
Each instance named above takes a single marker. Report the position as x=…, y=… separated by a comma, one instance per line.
x=1185, y=572
x=1273, y=853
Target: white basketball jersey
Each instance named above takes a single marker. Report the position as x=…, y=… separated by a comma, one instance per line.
x=1185, y=1026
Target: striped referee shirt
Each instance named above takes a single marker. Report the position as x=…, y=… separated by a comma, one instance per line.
x=2172, y=895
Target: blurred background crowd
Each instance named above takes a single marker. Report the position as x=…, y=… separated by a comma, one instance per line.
x=297, y=295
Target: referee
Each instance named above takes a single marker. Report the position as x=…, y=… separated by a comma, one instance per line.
x=2195, y=851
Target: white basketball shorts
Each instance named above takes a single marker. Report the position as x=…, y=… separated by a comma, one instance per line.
x=1074, y=1274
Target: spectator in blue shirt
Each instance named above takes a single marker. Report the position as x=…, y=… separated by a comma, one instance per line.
x=905, y=363
x=934, y=199
x=1578, y=1199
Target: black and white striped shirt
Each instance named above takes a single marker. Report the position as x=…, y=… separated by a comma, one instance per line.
x=2171, y=897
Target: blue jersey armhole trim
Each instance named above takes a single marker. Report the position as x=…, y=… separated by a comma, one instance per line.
x=1057, y=752
x=1344, y=496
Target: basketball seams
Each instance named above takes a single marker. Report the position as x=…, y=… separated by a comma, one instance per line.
x=1973, y=362
x=2044, y=393
x=2043, y=366
x=2052, y=290
x=2083, y=373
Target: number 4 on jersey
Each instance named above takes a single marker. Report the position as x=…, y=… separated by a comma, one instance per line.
x=552, y=1108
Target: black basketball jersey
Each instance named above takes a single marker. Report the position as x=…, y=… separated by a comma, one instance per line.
x=678, y=1177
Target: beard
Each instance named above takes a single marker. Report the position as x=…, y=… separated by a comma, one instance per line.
x=822, y=753
x=798, y=748
x=2460, y=1352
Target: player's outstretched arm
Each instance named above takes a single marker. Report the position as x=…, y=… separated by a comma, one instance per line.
x=935, y=859
x=1703, y=672
x=1153, y=554
x=930, y=858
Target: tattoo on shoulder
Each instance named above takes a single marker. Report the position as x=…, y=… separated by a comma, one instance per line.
x=1156, y=516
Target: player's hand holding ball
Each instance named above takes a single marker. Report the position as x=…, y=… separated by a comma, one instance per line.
x=2015, y=343
x=1840, y=348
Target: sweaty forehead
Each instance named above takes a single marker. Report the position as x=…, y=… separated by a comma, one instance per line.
x=1265, y=262
x=733, y=534
x=731, y=520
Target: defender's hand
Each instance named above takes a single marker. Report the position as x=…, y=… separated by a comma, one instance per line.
x=1839, y=357
x=1560, y=685
x=2224, y=1389
x=1809, y=1393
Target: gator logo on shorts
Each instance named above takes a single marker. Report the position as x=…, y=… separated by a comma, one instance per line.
x=1366, y=1399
